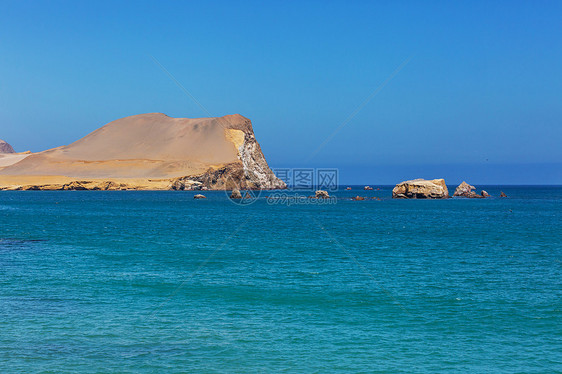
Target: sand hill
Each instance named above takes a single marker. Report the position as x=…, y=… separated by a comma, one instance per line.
x=150, y=151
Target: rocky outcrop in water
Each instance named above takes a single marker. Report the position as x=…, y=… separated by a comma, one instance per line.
x=235, y=194
x=466, y=190
x=421, y=189
x=321, y=194
x=5, y=147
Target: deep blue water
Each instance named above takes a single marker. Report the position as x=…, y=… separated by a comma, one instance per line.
x=160, y=282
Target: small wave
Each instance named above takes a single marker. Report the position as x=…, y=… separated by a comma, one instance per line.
x=12, y=242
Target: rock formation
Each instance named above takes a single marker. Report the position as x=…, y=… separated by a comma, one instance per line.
x=502, y=194
x=235, y=194
x=421, y=189
x=199, y=196
x=5, y=147
x=484, y=194
x=321, y=194
x=151, y=151
x=466, y=190
x=367, y=188
x=358, y=198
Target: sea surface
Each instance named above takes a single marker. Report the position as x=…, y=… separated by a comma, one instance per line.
x=145, y=282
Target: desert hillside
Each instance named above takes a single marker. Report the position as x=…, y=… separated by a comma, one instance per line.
x=199, y=152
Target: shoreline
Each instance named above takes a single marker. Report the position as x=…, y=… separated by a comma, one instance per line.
x=62, y=183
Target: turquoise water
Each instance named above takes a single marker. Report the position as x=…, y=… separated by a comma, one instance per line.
x=160, y=282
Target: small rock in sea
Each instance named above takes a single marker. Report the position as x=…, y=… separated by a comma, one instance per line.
x=502, y=194
x=367, y=188
x=236, y=194
x=466, y=190
x=199, y=196
x=484, y=194
x=348, y=188
x=358, y=198
x=321, y=194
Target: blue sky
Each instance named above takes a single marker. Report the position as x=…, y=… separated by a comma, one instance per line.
x=479, y=99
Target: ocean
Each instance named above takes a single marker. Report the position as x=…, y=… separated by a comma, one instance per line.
x=144, y=282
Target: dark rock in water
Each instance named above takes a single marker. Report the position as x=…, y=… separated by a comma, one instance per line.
x=484, y=194
x=321, y=194
x=5, y=147
x=199, y=196
x=367, y=188
x=236, y=194
x=358, y=198
x=421, y=189
x=502, y=194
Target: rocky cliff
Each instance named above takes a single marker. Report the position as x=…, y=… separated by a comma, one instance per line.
x=151, y=151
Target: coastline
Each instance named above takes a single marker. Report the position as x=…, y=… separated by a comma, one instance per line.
x=57, y=182
x=207, y=181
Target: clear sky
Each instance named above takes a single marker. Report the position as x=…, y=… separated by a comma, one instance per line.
x=478, y=96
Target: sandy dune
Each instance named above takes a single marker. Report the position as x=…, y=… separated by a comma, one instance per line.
x=7, y=159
